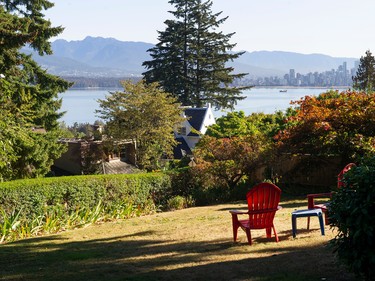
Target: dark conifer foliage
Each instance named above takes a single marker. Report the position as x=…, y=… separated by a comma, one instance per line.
x=191, y=58
x=29, y=103
x=365, y=76
x=22, y=24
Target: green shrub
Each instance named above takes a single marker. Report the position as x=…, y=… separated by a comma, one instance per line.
x=47, y=205
x=200, y=193
x=352, y=212
x=177, y=203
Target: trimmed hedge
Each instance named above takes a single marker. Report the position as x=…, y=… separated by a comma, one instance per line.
x=31, y=197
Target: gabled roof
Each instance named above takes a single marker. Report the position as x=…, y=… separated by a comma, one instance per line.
x=195, y=117
x=181, y=149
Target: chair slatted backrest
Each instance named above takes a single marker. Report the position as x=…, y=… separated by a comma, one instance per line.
x=262, y=201
x=340, y=176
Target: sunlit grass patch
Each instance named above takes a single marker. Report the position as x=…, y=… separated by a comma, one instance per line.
x=188, y=244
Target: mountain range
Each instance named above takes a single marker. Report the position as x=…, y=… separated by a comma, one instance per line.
x=108, y=57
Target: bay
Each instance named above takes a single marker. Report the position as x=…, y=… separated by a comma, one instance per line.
x=80, y=105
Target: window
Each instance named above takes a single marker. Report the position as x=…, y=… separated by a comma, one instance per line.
x=183, y=131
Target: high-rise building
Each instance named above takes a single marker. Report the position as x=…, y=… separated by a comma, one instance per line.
x=292, y=74
x=345, y=73
x=292, y=77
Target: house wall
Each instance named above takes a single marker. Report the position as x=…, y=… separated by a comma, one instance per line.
x=71, y=160
x=129, y=153
x=192, y=141
x=208, y=120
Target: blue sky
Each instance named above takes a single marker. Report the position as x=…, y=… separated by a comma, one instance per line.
x=340, y=28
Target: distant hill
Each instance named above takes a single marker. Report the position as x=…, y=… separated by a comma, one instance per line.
x=108, y=57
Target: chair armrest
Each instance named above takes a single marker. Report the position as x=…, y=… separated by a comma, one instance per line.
x=310, y=198
x=317, y=195
x=238, y=212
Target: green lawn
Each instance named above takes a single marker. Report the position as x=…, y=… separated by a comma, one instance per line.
x=190, y=244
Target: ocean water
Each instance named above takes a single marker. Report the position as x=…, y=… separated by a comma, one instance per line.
x=80, y=105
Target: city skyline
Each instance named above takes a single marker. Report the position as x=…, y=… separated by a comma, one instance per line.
x=335, y=28
x=342, y=76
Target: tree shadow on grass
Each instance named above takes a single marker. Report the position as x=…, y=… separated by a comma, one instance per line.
x=137, y=257
x=299, y=202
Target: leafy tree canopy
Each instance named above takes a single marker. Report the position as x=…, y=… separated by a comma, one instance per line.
x=145, y=115
x=332, y=123
x=191, y=59
x=226, y=161
x=236, y=146
x=237, y=124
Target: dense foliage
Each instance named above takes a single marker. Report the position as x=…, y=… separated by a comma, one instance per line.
x=83, y=130
x=235, y=147
x=190, y=60
x=236, y=124
x=29, y=95
x=146, y=115
x=333, y=123
x=34, y=201
x=352, y=212
x=227, y=159
x=364, y=79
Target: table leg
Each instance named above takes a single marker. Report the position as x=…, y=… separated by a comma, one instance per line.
x=321, y=223
x=294, y=226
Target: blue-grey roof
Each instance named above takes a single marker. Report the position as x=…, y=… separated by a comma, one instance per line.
x=195, y=117
x=181, y=149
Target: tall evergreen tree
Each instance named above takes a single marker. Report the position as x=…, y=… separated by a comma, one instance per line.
x=190, y=59
x=28, y=94
x=365, y=76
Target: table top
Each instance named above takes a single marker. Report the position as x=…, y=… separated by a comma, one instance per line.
x=307, y=212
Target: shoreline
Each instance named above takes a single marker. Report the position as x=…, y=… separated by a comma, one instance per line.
x=302, y=87
x=255, y=87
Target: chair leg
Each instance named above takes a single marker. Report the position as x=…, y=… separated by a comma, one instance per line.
x=248, y=234
x=235, y=225
x=268, y=232
x=274, y=232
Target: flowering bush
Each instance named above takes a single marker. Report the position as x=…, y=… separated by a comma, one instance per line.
x=332, y=123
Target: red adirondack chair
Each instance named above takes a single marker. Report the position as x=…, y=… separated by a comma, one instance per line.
x=263, y=202
x=324, y=206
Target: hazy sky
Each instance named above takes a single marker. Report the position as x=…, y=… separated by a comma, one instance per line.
x=340, y=28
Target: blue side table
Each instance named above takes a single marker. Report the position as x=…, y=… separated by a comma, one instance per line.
x=306, y=213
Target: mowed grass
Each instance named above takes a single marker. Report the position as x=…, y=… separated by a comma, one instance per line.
x=190, y=244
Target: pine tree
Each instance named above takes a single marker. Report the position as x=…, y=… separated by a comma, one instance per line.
x=365, y=76
x=191, y=58
x=28, y=94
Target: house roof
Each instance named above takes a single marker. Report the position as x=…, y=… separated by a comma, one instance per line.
x=118, y=167
x=181, y=149
x=195, y=118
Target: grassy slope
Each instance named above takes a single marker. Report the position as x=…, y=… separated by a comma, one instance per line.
x=191, y=244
